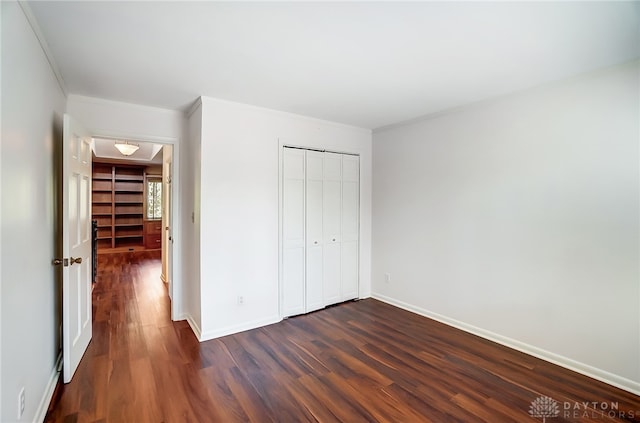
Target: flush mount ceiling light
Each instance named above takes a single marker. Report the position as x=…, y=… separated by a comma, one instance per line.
x=126, y=148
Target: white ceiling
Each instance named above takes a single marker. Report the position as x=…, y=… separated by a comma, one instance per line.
x=104, y=148
x=368, y=64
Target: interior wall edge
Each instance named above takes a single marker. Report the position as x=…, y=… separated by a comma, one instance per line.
x=562, y=361
x=195, y=328
x=507, y=95
x=35, y=27
x=54, y=377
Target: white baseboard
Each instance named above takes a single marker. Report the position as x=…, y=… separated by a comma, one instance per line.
x=192, y=323
x=576, y=366
x=230, y=330
x=43, y=406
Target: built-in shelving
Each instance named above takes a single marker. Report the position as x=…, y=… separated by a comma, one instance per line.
x=118, y=205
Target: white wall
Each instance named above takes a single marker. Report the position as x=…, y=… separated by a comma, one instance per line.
x=109, y=118
x=191, y=222
x=517, y=218
x=240, y=204
x=117, y=119
x=32, y=108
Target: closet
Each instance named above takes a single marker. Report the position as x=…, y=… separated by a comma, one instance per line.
x=319, y=229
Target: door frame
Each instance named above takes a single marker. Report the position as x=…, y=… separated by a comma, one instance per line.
x=175, y=248
x=282, y=144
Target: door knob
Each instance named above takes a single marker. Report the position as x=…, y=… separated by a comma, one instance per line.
x=75, y=260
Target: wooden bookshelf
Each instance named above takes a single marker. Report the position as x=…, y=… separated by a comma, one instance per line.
x=118, y=206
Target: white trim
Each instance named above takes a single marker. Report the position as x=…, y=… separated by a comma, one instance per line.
x=192, y=323
x=176, y=269
x=501, y=97
x=282, y=144
x=35, y=27
x=286, y=114
x=192, y=109
x=568, y=363
x=104, y=101
x=230, y=330
x=54, y=378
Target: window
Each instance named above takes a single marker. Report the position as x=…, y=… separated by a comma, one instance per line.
x=154, y=199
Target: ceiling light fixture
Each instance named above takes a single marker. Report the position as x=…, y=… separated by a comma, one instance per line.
x=126, y=148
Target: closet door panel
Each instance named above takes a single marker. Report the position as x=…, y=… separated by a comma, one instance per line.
x=331, y=215
x=293, y=232
x=331, y=276
x=350, y=226
x=314, y=299
x=332, y=197
x=350, y=211
x=349, y=270
x=314, y=219
x=293, y=282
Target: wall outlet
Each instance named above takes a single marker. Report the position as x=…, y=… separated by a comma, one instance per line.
x=387, y=277
x=240, y=300
x=21, y=403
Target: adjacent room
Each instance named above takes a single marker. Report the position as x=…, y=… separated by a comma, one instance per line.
x=320, y=211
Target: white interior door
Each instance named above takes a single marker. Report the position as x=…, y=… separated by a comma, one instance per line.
x=293, y=232
x=167, y=217
x=315, y=243
x=350, y=226
x=331, y=216
x=76, y=248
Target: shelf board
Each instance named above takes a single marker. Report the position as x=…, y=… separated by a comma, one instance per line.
x=128, y=236
x=103, y=237
x=129, y=202
x=124, y=225
x=121, y=179
x=101, y=214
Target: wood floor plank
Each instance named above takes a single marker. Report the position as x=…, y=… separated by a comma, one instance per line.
x=363, y=361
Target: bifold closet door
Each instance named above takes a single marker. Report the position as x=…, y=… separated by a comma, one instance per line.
x=331, y=225
x=315, y=246
x=293, y=232
x=319, y=229
x=350, y=226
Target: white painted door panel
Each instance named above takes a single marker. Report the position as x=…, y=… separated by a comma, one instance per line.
x=331, y=216
x=349, y=270
x=315, y=244
x=331, y=275
x=320, y=229
x=350, y=226
x=76, y=246
x=293, y=232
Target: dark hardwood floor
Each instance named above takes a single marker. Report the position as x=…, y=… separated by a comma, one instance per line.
x=362, y=361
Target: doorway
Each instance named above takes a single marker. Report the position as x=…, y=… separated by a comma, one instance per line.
x=132, y=201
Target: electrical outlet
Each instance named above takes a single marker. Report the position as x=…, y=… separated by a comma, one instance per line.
x=387, y=277
x=21, y=403
x=240, y=300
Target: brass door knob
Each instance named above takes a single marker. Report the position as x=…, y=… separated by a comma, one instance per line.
x=75, y=260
